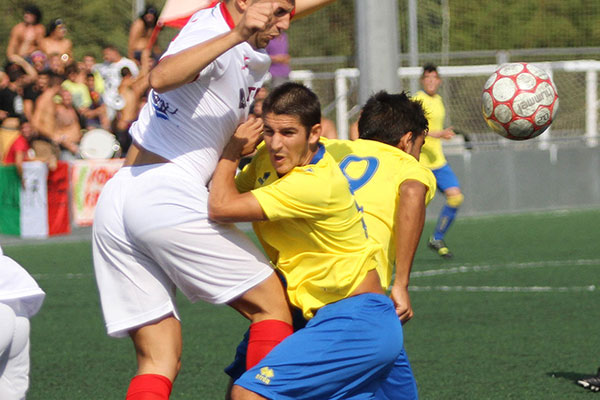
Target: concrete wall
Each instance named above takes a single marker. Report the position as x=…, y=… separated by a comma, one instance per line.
x=510, y=180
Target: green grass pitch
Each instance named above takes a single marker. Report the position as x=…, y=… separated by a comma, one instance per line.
x=515, y=315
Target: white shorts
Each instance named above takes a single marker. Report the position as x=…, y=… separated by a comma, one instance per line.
x=14, y=354
x=151, y=234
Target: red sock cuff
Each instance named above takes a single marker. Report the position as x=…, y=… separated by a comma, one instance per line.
x=264, y=335
x=149, y=387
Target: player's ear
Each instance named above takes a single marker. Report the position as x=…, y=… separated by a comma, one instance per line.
x=315, y=134
x=405, y=142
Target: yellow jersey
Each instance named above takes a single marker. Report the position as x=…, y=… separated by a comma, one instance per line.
x=315, y=234
x=375, y=171
x=432, y=153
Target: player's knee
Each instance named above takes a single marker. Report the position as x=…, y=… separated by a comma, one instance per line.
x=455, y=200
x=7, y=327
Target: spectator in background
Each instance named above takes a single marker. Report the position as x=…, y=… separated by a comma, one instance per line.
x=87, y=67
x=280, y=60
x=56, y=65
x=140, y=33
x=95, y=116
x=26, y=36
x=56, y=119
x=57, y=42
x=132, y=90
x=32, y=91
x=79, y=91
x=14, y=145
x=9, y=97
x=39, y=60
x=110, y=70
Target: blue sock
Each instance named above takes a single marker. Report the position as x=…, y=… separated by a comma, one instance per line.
x=446, y=218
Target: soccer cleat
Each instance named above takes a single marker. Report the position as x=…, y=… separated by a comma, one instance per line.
x=439, y=247
x=591, y=383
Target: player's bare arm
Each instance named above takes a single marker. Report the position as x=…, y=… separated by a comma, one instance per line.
x=409, y=226
x=225, y=203
x=181, y=68
x=306, y=7
x=447, y=133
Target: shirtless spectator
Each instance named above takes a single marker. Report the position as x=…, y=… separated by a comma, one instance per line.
x=132, y=90
x=57, y=42
x=26, y=36
x=140, y=33
x=110, y=70
x=56, y=119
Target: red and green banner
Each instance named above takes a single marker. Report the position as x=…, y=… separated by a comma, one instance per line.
x=37, y=205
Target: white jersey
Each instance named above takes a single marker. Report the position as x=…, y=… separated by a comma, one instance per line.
x=190, y=125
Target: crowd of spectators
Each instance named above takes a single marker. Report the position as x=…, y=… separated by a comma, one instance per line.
x=49, y=99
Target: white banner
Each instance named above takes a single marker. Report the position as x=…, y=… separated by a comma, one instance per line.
x=34, y=200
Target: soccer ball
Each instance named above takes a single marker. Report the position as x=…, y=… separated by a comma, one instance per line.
x=519, y=101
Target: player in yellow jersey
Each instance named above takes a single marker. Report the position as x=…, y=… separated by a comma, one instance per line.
x=311, y=227
x=432, y=156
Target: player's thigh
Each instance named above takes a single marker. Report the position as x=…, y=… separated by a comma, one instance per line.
x=446, y=178
x=400, y=384
x=345, y=351
x=14, y=362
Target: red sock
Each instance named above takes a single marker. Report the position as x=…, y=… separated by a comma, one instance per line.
x=149, y=387
x=265, y=335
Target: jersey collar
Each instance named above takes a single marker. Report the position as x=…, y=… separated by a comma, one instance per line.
x=227, y=16
x=318, y=155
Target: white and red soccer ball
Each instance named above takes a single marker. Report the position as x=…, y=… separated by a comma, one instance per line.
x=519, y=101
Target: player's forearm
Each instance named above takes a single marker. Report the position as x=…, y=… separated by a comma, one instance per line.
x=306, y=7
x=410, y=218
x=181, y=68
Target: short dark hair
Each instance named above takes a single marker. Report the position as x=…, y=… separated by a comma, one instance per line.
x=295, y=99
x=387, y=117
x=33, y=10
x=429, y=67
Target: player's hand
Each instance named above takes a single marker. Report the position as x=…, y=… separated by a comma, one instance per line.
x=447, y=133
x=402, y=304
x=248, y=135
x=257, y=17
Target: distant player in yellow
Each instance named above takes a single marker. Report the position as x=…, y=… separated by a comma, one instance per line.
x=312, y=229
x=432, y=156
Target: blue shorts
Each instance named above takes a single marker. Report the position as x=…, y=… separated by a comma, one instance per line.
x=446, y=178
x=345, y=352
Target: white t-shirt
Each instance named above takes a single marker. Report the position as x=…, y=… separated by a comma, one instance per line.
x=111, y=74
x=190, y=125
x=18, y=289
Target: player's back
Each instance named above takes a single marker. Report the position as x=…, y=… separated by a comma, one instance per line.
x=375, y=172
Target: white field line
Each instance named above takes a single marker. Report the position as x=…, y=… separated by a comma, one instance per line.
x=62, y=276
x=488, y=267
x=502, y=289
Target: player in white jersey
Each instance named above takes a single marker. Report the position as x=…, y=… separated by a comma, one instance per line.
x=20, y=299
x=151, y=230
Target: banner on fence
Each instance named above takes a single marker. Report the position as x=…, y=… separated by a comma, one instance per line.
x=88, y=177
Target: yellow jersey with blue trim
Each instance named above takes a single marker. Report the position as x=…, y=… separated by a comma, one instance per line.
x=432, y=153
x=375, y=172
x=315, y=235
